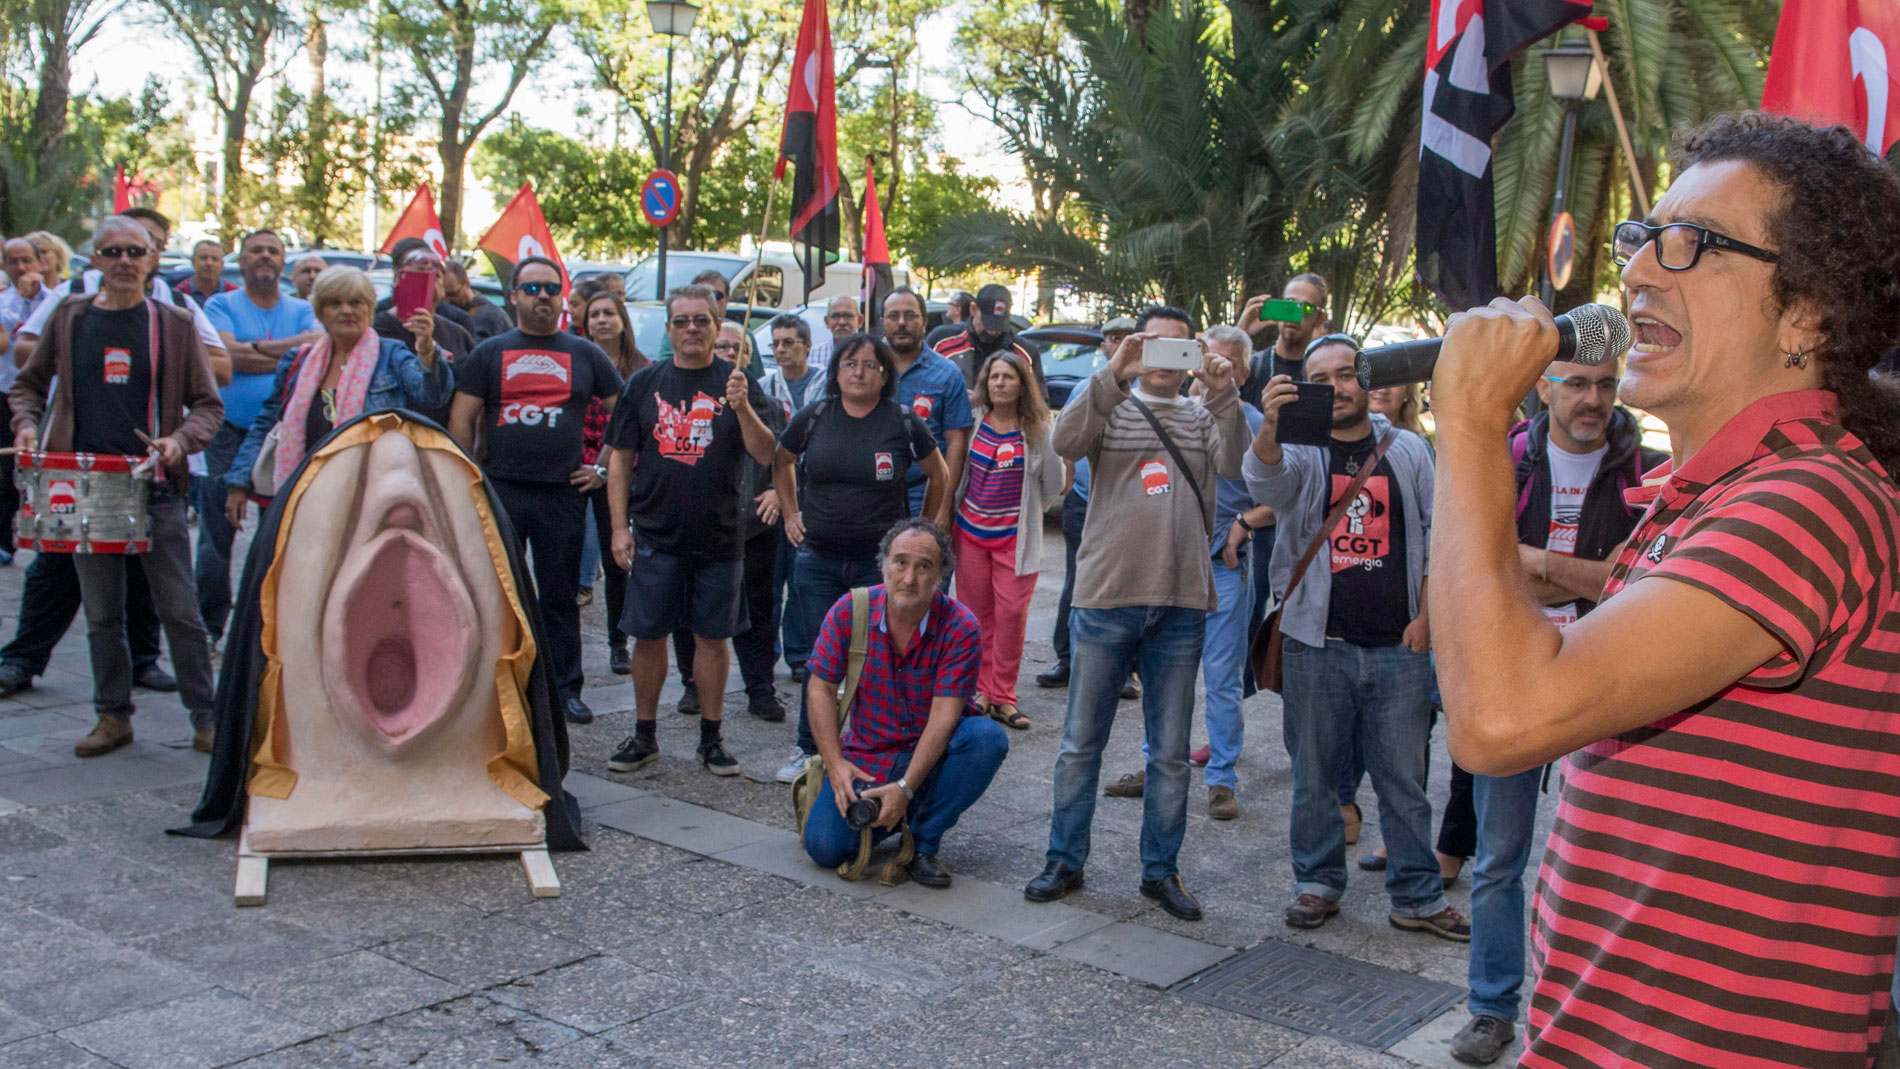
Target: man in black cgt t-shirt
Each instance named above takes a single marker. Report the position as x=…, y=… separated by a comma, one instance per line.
x=675, y=449
x=528, y=390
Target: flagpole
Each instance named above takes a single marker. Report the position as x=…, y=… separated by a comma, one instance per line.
x=758, y=254
x=1622, y=131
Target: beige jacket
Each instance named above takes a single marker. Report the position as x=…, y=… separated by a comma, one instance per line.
x=1042, y=481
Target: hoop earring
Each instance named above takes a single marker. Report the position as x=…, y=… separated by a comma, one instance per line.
x=1797, y=360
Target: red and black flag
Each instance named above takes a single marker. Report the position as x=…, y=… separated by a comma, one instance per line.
x=1467, y=99
x=877, y=283
x=1838, y=62
x=810, y=140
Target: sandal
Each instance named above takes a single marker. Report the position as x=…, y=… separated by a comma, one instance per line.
x=1013, y=718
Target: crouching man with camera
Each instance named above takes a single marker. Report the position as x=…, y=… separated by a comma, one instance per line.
x=915, y=747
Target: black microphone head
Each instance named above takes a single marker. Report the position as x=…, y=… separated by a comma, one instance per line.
x=1601, y=334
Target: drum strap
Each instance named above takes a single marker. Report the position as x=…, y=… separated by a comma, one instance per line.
x=151, y=350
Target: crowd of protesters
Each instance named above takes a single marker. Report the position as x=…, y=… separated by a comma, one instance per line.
x=870, y=509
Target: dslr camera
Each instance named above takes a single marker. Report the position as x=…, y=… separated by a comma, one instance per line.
x=862, y=813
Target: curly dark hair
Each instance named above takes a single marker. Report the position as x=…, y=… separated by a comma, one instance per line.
x=1838, y=231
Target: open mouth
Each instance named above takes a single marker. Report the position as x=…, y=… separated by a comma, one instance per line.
x=1653, y=335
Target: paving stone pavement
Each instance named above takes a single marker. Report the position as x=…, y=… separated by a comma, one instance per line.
x=693, y=933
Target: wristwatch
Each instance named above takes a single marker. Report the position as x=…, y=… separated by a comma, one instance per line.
x=909, y=795
x=1245, y=526
x=601, y=471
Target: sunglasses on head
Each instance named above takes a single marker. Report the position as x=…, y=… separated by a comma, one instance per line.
x=540, y=289
x=1331, y=339
x=115, y=252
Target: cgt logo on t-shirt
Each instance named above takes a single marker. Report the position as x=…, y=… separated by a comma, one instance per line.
x=1365, y=536
x=683, y=434
x=1006, y=455
x=923, y=405
x=118, y=366
x=535, y=385
x=886, y=467
x=1154, y=478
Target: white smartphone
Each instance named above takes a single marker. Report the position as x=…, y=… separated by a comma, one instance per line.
x=1171, y=354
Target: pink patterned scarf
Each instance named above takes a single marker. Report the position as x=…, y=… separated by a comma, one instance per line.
x=351, y=391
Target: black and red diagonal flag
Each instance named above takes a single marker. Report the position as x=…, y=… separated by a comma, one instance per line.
x=1467, y=99
x=810, y=140
x=877, y=282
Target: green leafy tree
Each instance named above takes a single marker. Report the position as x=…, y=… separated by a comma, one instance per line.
x=326, y=158
x=232, y=42
x=456, y=46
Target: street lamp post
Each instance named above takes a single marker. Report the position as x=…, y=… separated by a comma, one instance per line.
x=1574, y=78
x=672, y=19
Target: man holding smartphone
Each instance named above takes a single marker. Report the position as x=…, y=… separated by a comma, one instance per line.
x=1141, y=602
x=1358, y=508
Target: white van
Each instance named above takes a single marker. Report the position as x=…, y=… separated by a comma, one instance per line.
x=780, y=283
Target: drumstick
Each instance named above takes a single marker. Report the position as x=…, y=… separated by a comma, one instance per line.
x=146, y=438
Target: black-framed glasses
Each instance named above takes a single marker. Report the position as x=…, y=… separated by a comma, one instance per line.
x=1330, y=339
x=1679, y=246
x=682, y=322
x=540, y=289
x=114, y=252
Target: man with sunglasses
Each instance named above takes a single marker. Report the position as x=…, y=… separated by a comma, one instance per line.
x=675, y=450
x=1575, y=462
x=524, y=394
x=133, y=379
x=1720, y=884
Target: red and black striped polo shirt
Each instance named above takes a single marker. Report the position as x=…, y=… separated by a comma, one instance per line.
x=1722, y=887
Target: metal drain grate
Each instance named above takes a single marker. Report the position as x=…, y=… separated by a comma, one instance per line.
x=1321, y=993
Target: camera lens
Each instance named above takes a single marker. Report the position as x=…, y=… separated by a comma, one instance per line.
x=861, y=814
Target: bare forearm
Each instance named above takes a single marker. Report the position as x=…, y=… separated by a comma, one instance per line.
x=247, y=359
x=1581, y=578
x=945, y=713
x=759, y=442
x=619, y=486
x=1493, y=642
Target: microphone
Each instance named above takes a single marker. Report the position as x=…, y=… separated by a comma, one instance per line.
x=1587, y=334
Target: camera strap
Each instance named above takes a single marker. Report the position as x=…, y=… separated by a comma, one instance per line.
x=860, y=644
x=1180, y=461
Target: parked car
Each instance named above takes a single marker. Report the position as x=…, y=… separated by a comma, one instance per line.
x=780, y=283
x=1070, y=354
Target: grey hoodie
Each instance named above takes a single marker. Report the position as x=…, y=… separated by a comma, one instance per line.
x=1297, y=490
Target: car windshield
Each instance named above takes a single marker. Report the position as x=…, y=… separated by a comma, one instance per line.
x=649, y=325
x=680, y=269
x=1072, y=359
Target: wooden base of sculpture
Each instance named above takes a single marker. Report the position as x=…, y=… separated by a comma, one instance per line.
x=253, y=867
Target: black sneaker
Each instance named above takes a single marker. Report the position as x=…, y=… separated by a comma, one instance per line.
x=689, y=700
x=634, y=754
x=619, y=660
x=767, y=709
x=14, y=678
x=714, y=759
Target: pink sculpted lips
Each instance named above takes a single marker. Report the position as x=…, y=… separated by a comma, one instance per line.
x=399, y=629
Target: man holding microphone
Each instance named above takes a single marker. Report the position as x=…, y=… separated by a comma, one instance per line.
x=1721, y=881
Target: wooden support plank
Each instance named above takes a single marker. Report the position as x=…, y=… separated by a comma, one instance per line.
x=541, y=878
x=253, y=875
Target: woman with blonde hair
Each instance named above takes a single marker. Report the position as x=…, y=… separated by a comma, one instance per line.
x=1402, y=406
x=1011, y=471
x=56, y=257
x=328, y=382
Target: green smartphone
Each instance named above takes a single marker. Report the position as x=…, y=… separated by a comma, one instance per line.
x=1285, y=310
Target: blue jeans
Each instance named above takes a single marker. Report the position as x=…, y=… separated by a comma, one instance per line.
x=818, y=582
x=976, y=751
x=1164, y=643
x=590, y=551
x=1507, y=812
x=1223, y=664
x=1378, y=695
x=212, y=573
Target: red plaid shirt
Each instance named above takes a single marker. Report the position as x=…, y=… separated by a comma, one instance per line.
x=894, y=692
x=593, y=429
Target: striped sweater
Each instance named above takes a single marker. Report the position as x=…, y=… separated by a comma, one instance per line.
x=1145, y=541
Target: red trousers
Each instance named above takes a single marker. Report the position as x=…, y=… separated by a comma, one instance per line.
x=987, y=584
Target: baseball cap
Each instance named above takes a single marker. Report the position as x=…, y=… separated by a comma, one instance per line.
x=992, y=307
x=1119, y=325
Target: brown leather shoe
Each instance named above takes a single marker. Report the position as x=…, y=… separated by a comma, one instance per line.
x=202, y=739
x=110, y=733
x=1309, y=911
x=1129, y=786
x=1221, y=804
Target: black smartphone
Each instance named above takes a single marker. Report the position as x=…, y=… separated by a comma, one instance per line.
x=1308, y=418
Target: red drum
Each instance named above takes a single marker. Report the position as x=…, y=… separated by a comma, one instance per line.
x=83, y=503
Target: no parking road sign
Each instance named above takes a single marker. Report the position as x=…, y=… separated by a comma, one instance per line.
x=660, y=197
